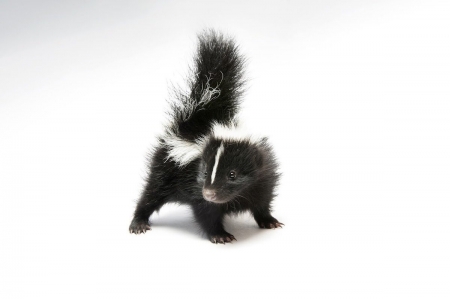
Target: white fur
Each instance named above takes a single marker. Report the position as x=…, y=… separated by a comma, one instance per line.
x=216, y=162
x=189, y=105
x=209, y=94
x=183, y=151
x=233, y=132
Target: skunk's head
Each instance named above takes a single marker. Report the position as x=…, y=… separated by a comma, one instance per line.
x=227, y=168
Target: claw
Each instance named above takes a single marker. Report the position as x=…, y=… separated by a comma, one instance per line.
x=222, y=238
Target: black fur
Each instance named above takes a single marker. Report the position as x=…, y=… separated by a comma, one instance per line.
x=247, y=171
x=217, y=63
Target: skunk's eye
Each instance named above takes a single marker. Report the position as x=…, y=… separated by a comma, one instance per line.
x=205, y=174
x=232, y=175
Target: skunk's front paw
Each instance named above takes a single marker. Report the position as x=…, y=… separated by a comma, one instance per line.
x=269, y=223
x=222, y=238
x=139, y=226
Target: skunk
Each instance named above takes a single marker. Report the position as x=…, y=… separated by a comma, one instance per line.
x=203, y=159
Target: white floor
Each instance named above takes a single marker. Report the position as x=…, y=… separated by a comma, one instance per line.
x=354, y=95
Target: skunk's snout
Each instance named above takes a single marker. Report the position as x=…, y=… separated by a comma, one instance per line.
x=209, y=194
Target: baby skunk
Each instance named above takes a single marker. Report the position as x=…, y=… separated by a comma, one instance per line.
x=202, y=159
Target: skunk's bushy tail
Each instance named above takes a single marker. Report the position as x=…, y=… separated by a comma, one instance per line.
x=215, y=88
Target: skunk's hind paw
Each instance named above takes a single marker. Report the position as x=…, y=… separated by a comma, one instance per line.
x=270, y=223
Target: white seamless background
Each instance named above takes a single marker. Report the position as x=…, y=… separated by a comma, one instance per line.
x=354, y=96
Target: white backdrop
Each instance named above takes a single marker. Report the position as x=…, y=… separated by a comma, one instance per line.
x=353, y=94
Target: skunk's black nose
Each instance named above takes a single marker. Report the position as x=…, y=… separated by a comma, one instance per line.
x=209, y=194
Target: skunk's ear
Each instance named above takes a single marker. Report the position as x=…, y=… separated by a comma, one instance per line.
x=258, y=157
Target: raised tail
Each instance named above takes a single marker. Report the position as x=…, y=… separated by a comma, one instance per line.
x=215, y=88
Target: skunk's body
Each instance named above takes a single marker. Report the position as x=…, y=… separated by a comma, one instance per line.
x=202, y=160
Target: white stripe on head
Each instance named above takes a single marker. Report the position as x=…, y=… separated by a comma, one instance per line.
x=216, y=162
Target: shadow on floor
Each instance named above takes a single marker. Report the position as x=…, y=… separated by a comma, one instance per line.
x=243, y=227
